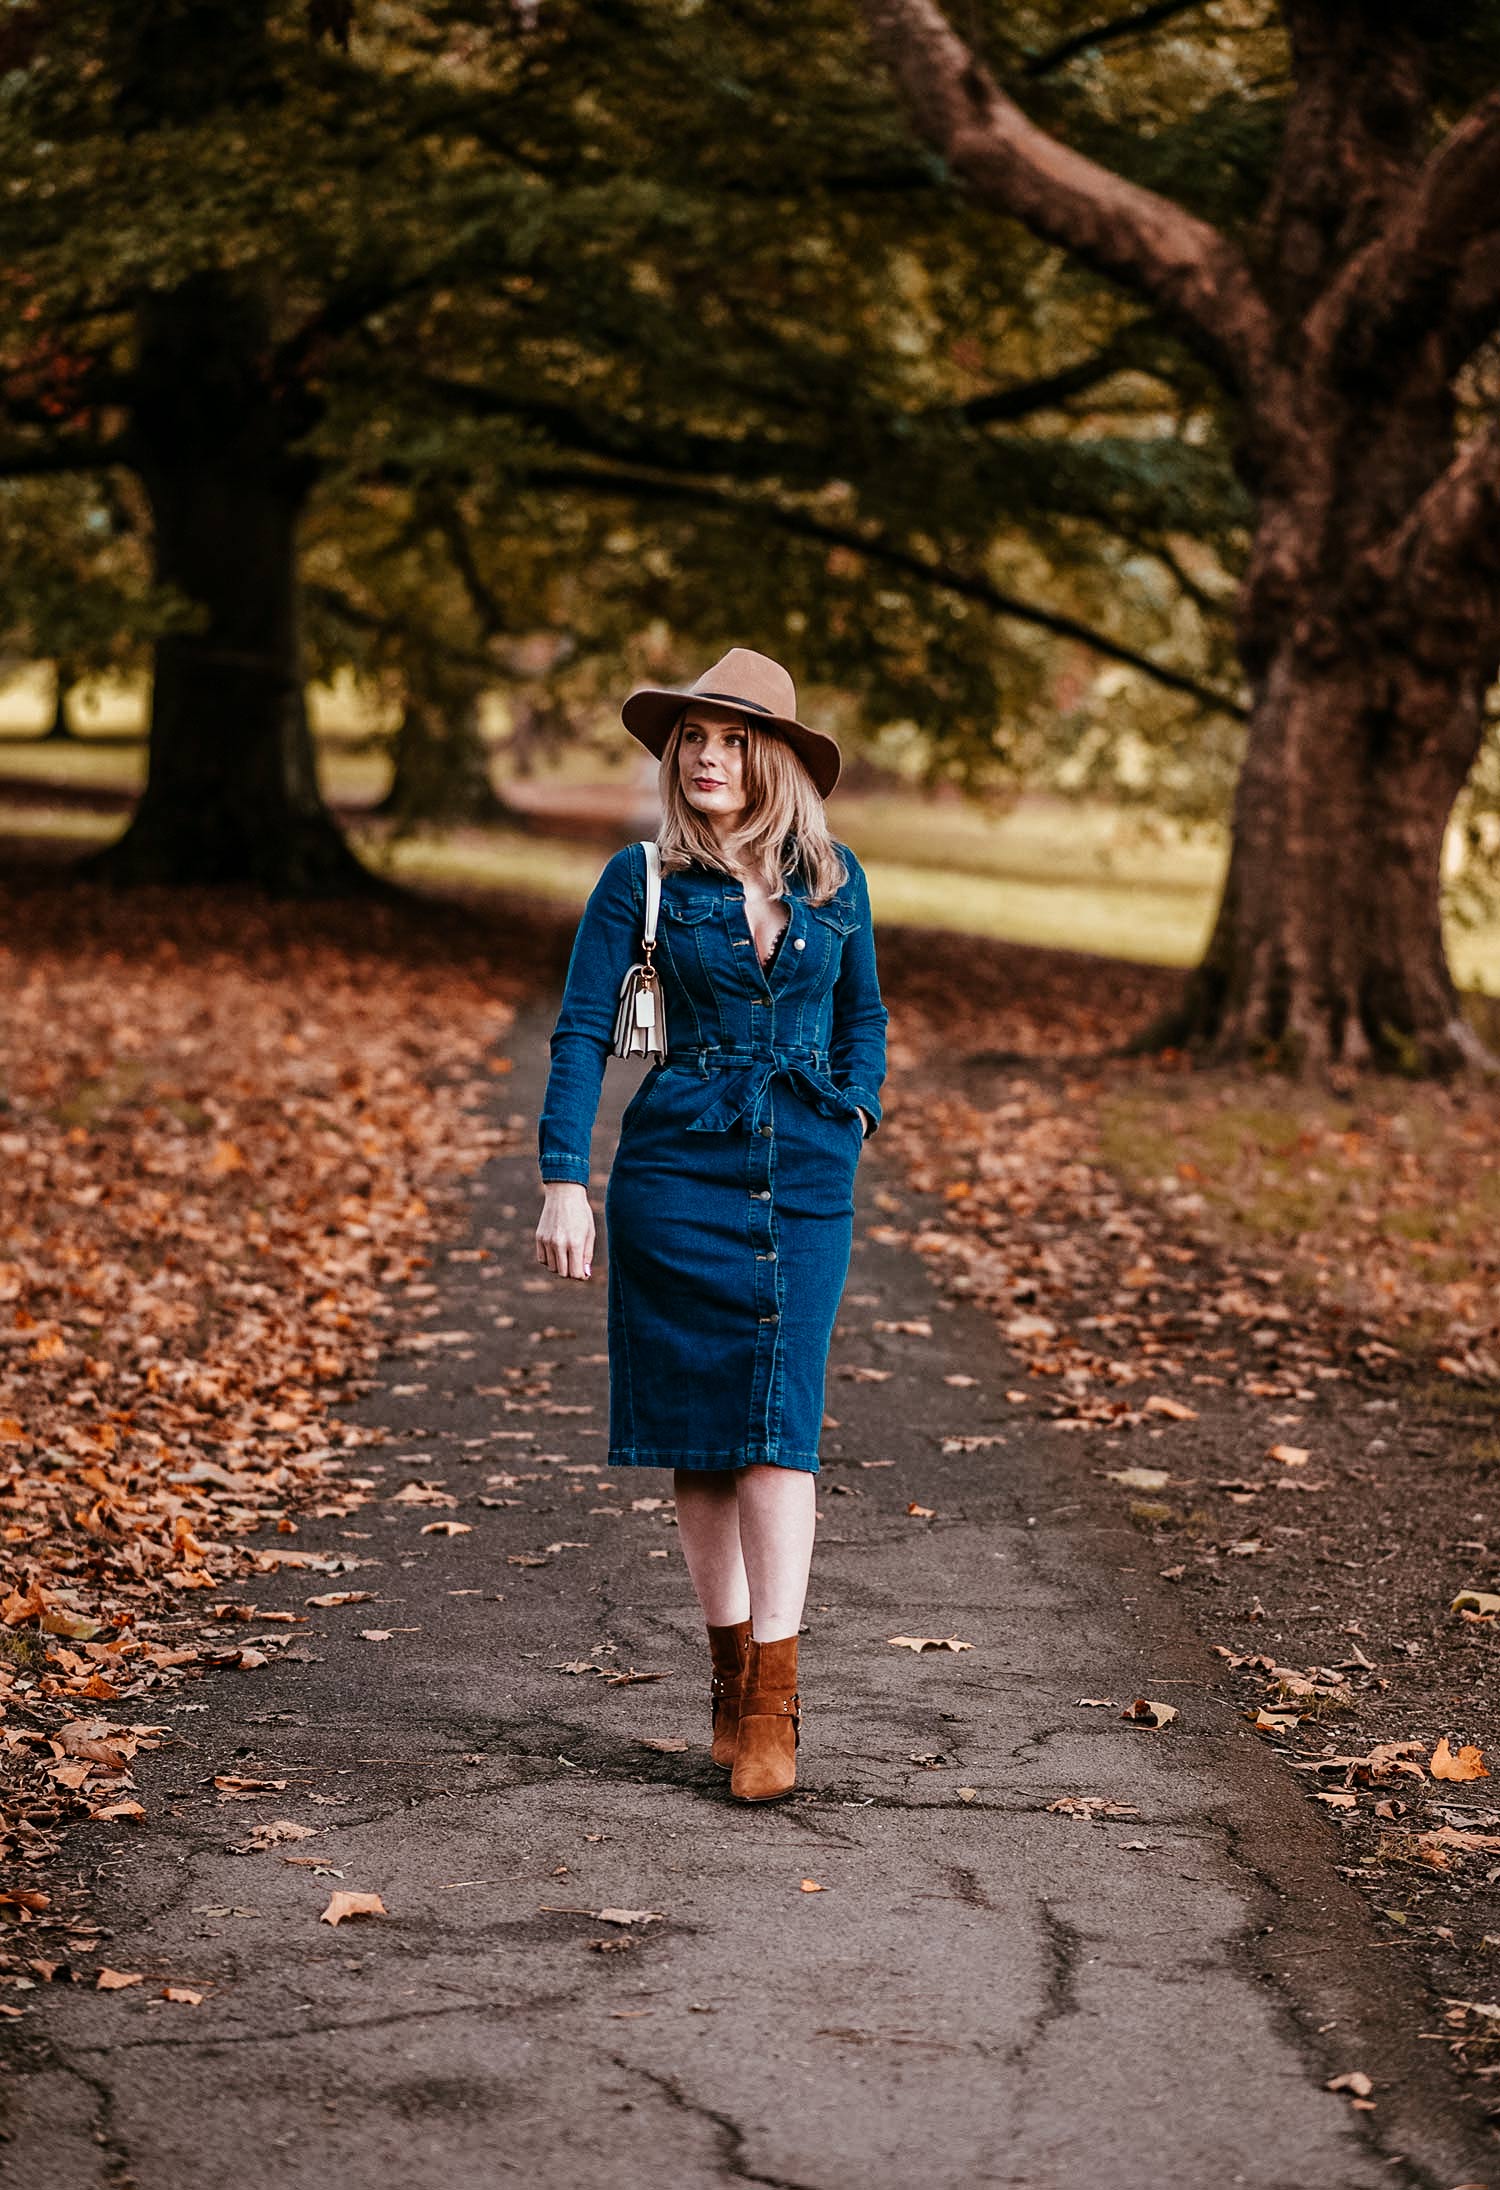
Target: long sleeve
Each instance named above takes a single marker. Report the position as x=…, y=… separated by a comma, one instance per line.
x=607, y=942
x=856, y=1049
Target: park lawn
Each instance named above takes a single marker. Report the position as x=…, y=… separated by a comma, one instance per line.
x=1062, y=874
x=1386, y=1205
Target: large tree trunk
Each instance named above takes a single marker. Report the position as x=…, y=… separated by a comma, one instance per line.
x=232, y=792
x=1328, y=949
x=1370, y=616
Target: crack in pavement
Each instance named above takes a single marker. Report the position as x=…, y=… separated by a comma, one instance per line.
x=733, y=2139
x=1063, y=1945
x=211, y=2044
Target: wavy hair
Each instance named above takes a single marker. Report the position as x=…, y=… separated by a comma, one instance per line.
x=785, y=829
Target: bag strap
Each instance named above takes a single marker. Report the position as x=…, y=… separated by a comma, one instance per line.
x=653, y=888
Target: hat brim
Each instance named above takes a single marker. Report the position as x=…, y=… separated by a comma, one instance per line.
x=650, y=714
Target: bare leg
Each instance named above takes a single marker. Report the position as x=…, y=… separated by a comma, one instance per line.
x=708, y=1522
x=777, y=1517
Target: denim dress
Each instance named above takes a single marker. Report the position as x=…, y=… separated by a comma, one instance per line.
x=729, y=1211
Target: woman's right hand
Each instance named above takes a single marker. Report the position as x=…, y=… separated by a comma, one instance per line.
x=565, y=1230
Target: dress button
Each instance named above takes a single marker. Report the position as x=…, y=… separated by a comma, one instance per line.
x=767, y=1131
x=762, y=1193
x=798, y=943
x=768, y=1319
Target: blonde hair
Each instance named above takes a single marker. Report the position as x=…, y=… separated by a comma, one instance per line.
x=781, y=802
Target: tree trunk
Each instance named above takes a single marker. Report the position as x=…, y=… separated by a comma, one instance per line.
x=232, y=793
x=61, y=725
x=1327, y=952
x=1370, y=617
x=442, y=770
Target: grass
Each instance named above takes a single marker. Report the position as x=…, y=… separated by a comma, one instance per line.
x=1045, y=870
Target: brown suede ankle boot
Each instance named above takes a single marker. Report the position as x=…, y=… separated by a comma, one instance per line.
x=729, y=1647
x=765, y=1760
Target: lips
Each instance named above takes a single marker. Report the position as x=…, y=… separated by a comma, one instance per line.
x=707, y=783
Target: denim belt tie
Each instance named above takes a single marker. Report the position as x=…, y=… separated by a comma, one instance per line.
x=752, y=1071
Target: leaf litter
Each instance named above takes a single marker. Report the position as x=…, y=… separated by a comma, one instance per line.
x=222, y=1170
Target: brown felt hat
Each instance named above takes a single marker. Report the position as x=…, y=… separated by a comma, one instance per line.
x=759, y=688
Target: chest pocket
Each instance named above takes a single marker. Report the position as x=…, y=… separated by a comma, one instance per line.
x=837, y=915
x=685, y=912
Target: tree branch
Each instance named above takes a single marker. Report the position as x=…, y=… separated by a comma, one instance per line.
x=1451, y=537
x=944, y=577
x=1123, y=353
x=1414, y=272
x=1108, y=34
x=31, y=461
x=1149, y=245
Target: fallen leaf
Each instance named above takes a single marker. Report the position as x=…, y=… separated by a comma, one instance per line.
x=448, y=1528
x=1138, y=1478
x=1452, y=1836
x=1144, y=1712
x=116, y=1980
x=920, y=1643
x=1091, y=1806
x=341, y=1905
x=377, y=1634
x=1290, y=1456
x=669, y=1744
x=1467, y=1764
x=183, y=1995
x=922, y=1513
x=1174, y=1409
x=274, y=1833
x=1353, y=2080
x=1483, y=1601
x=626, y=1916
x=810, y=1885
x=966, y=1794
x=1337, y=1800
x=343, y=1596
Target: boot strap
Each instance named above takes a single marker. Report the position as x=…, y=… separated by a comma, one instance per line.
x=775, y=1705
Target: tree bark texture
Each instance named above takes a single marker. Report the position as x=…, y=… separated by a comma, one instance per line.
x=441, y=768
x=1369, y=617
x=232, y=792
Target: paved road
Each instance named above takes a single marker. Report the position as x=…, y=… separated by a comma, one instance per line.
x=983, y=1992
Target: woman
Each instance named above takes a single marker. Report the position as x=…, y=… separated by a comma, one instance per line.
x=730, y=1205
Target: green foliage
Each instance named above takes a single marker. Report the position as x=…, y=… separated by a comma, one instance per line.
x=646, y=328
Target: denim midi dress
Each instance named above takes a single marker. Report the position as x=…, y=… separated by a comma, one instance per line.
x=729, y=1211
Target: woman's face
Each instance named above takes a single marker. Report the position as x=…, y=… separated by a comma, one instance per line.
x=711, y=763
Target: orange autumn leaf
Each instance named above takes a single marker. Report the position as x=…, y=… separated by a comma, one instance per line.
x=341, y=1905
x=1467, y=1764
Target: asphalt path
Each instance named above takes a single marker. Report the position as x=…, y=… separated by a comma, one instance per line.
x=916, y=1971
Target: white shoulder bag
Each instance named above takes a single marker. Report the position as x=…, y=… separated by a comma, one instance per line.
x=640, y=1022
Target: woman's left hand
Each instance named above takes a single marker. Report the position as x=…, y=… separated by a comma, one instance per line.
x=864, y=1122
